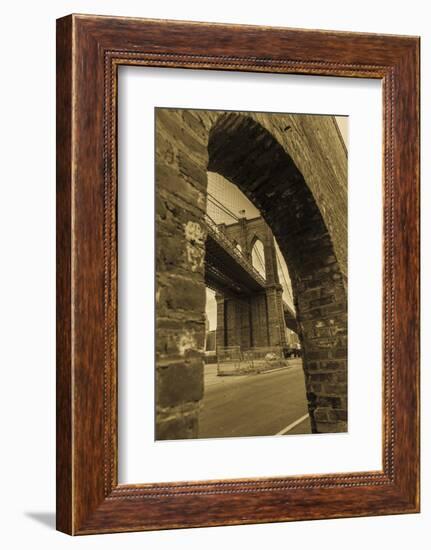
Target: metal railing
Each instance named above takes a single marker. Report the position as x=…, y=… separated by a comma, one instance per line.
x=218, y=234
x=233, y=361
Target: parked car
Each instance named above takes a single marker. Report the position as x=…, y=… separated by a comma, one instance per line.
x=291, y=351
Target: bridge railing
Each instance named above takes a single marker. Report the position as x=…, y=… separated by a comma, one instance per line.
x=227, y=243
x=269, y=353
x=230, y=361
x=233, y=361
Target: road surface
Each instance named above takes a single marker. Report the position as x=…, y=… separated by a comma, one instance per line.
x=255, y=404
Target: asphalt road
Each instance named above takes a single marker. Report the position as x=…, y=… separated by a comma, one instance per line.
x=255, y=404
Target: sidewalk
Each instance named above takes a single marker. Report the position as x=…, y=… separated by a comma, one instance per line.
x=211, y=378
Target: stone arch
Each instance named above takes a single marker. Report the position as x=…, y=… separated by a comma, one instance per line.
x=248, y=155
x=189, y=144
x=257, y=248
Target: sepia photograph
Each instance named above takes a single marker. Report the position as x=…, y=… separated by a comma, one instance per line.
x=237, y=274
x=251, y=273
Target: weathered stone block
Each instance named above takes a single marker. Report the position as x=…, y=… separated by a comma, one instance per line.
x=179, y=383
x=176, y=337
x=192, y=171
x=169, y=122
x=170, y=254
x=178, y=293
x=192, y=121
x=182, y=426
x=325, y=414
x=341, y=414
x=172, y=181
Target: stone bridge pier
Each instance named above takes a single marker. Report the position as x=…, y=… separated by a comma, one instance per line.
x=257, y=319
x=251, y=321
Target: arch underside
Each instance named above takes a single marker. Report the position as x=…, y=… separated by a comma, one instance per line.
x=246, y=154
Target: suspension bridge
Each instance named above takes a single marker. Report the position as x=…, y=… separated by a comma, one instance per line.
x=244, y=268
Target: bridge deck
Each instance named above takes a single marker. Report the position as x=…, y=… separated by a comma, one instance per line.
x=228, y=270
x=227, y=267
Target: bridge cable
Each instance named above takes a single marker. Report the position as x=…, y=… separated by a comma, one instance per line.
x=221, y=206
x=223, y=210
x=262, y=263
x=283, y=276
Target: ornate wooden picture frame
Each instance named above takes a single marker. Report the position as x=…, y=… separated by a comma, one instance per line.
x=89, y=51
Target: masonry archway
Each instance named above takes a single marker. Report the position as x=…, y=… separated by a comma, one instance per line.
x=189, y=143
x=246, y=154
